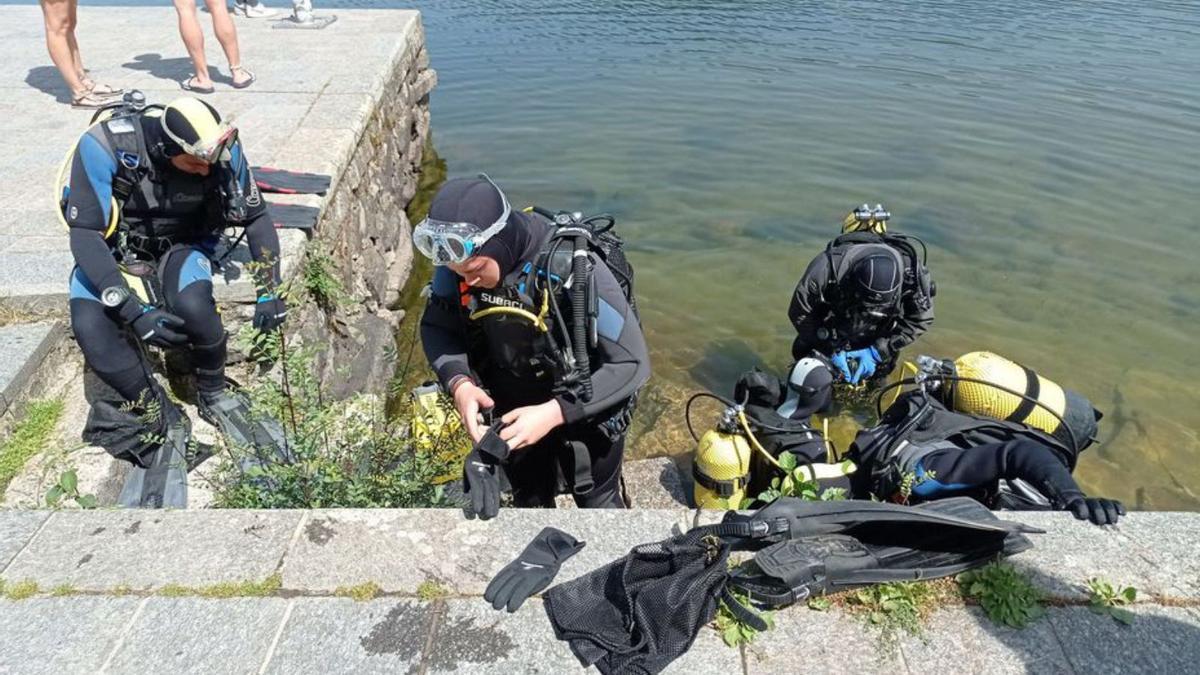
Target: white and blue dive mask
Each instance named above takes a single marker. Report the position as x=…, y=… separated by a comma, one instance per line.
x=446, y=242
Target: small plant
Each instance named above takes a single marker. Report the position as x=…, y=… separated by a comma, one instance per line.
x=242, y=589
x=819, y=603
x=1106, y=598
x=21, y=590
x=363, y=592
x=910, y=480
x=893, y=608
x=797, y=481
x=67, y=487
x=319, y=278
x=175, y=591
x=733, y=630
x=28, y=438
x=122, y=590
x=430, y=590
x=1005, y=594
x=63, y=590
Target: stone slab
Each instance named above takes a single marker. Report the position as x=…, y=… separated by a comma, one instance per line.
x=1073, y=551
x=654, y=484
x=833, y=642
x=1160, y=640
x=964, y=640
x=1169, y=541
x=205, y=637
x=100, y=550
x=16, y=527
x=474, y=638
x=400, y=549
x=61, y=635
x=22, y=348
x=339, y=635
x=273, y=114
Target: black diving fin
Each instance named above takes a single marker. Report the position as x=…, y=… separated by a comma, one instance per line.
x=162, y=483
x=877, y=544
x=294, y=216
x=282, y=181
x=260, y=435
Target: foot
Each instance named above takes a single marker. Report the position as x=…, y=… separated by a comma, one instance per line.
x=197, y=85
x=90, y=99
x=99, y=88
x=254, y=11
x=242, y=77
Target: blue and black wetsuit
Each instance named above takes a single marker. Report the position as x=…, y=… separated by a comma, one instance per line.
x=170, y=218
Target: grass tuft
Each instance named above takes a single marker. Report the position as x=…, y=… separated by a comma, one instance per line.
x=28, y=439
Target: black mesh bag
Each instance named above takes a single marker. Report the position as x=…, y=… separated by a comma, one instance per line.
x=641, y=612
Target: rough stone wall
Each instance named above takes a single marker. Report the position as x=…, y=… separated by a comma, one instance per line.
x=365, y=229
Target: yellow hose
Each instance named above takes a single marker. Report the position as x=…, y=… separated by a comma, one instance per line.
x=538, y=320
x=741, y=415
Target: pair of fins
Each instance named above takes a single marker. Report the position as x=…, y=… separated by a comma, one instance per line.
x=827, y=547
x=163, y=483
x=282, y=181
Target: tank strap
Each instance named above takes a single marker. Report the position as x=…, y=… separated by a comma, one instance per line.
x=1033, y=390
x=723, y=488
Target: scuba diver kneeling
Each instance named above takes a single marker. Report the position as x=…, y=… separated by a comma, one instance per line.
x=531, y=328
x=146, y=193
x=863, y=299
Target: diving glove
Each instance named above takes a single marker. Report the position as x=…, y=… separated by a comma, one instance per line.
x=481, y=482
x=533, y=570
x=269, y=313
x=492, y=445
x=160, y=328
x=866, y=360
x=1098, y=510
x=843, y=366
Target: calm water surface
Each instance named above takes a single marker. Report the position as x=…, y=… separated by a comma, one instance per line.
x=1046, y=152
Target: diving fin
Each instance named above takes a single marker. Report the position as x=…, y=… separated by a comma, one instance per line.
x=163, y=482
x=232, y=413
x=282, y=181
x=961, y=534
x=294, y=216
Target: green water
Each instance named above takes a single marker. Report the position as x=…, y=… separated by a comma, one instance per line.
x=1046, y=152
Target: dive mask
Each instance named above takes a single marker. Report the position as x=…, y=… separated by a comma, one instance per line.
x=446, y=242
x=216, y=148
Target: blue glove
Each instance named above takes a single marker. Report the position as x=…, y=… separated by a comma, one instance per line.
x=867, y=360
x=839, y=361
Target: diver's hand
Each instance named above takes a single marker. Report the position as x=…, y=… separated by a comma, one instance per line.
x=469, y=399
x=839, y=361
x=269, y=313
x=530, y=424
x=1096, y=509
x=866, y=360
x=160, y=328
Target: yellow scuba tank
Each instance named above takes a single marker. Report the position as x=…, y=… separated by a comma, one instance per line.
x=866, y=219
x=1055, y=407
x=721, y=468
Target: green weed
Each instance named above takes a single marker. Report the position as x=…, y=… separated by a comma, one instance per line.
x=67, y=487
x=363, y=592
x=1106, y=598
x=796, y=482
x=894, y=609
x=430, y=590
x=30, y=437
x=735, y=632
x=21, y=590
x=1005, y=594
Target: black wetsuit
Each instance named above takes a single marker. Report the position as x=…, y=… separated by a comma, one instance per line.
x=827, y=320
x=507, y=357
x=174, y=219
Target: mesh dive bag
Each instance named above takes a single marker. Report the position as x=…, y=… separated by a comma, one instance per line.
x=641, y=612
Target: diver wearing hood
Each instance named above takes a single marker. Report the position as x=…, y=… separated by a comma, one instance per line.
x=145, y=194
x=491, y=332
x=861, y=301
x=922, y=448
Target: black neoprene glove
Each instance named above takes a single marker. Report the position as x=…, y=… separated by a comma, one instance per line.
x=481, y=482
x=1096, y=509
x=533, y=570
x=269, y=313
x=160, y=328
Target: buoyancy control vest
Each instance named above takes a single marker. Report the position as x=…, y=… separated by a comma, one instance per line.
x=917, y=420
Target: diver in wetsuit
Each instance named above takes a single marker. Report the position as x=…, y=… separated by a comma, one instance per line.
x=861, y=301
x=149, y=191
x=491, y=332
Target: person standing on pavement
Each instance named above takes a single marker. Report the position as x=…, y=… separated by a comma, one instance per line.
x=193, y=40
x=60, y=17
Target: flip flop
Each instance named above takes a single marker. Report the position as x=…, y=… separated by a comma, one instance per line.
x=187, y=85
x=236, y=69
x=91, y=100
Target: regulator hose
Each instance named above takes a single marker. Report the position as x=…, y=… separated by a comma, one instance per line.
x=579, y=315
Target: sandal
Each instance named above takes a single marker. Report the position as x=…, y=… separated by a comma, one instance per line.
x=250, y=78
x=90, y=100
x=101, y=89
x=187, y=85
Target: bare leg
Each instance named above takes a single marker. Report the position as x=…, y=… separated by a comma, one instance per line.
x=193, y=40
x=59, y=40
x=227, y=36
x=76, y=59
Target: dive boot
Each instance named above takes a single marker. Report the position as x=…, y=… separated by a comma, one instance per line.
x=230, y=411
x=163, y=482
x=877, y=544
